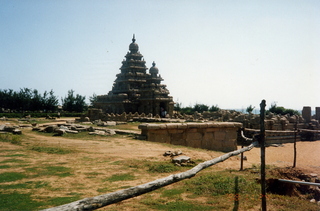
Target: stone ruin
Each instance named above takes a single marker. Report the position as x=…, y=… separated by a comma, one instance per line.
x=252, y=121
x=135, y=90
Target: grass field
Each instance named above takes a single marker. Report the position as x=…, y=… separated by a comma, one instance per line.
x=39, y=170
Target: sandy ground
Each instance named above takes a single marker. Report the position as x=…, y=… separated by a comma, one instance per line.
x=96, y=160
x=308, y=156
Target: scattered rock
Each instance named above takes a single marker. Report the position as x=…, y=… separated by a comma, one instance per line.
x=101, y=133
x=111, y=132
x=91, y=129
x=50, y=128
x=17, y=131
x=181, y=160
x=60, y=131
x=36, y=128
x=172, y=153
x=72, y=131
x=313, y=201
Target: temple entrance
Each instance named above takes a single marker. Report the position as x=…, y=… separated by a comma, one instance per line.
x=163, y=109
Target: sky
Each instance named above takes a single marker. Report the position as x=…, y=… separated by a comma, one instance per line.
x=226, y=53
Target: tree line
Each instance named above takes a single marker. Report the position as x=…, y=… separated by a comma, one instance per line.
x=196, y=108
x=202, y=108
x=33, y=101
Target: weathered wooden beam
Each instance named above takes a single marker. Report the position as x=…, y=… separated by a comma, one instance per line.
x=114, y=197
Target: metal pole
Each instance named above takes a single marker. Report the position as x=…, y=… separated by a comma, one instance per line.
x=262, y=154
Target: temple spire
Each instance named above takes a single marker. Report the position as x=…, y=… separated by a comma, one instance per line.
x=133, y=39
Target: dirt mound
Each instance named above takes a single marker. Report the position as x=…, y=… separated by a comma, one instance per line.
x=290, y=189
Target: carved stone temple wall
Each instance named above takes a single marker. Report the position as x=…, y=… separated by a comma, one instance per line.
x=220, y=136
x=135, y=89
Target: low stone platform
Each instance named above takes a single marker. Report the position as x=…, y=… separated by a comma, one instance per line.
x=219, y=136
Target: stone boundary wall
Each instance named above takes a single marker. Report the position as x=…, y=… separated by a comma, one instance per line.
x=219, y=136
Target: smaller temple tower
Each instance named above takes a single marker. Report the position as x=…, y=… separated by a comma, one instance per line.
x=135, y=90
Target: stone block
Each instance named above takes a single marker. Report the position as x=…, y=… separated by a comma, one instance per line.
x=172, y=125
x=211, y=130
x=219, y=135
x=192, y=130
x=175, y=131
x=194, y=140
x=229, y=134
x=182, y=126
x=193, y=125
x=161, y=138
x=207, y=141
x=306, y=113
x=178, y=139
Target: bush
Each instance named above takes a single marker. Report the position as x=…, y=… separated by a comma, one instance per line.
x=39, y=115
x=281, y=110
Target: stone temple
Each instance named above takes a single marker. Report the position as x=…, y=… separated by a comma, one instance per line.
x=136, y=90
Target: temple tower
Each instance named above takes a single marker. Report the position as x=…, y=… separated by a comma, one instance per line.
x=136, y=90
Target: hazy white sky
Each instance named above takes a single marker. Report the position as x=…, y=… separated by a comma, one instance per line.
x=227, y=53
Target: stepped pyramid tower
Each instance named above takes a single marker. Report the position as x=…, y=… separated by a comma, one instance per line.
x=135, y=90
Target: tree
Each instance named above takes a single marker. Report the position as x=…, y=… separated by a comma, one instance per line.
x=200, y=108
x=214, y=108
x=73, y=103
x=281, y=110
x=93, y=99
x=50, y=101
x=250, y=109
x=177, y=106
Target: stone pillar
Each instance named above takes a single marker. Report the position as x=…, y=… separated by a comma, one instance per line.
x=318, y=114
x=306, y=113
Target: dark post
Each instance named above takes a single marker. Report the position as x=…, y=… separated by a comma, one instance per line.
x=241, y=162
x=295, y=144
x=262, y=154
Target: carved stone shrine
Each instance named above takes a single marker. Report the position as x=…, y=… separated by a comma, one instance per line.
x=136, y=90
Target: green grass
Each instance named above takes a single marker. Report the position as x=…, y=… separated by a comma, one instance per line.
x=13, y=160
x=26, y=185
x=181, y=206
x=51, y=150
x=120, y=177
x=217, y=184
x=63, y=200
x=59, y=171
x=11, y=176
x=18, y=201
x=172, y=192
x=10, y=138
x=162, y=167
x=25, y=202
x=5, y=167
x=16, y=155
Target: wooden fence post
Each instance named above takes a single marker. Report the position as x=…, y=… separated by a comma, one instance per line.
x=262, y=151
x=295, y=143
